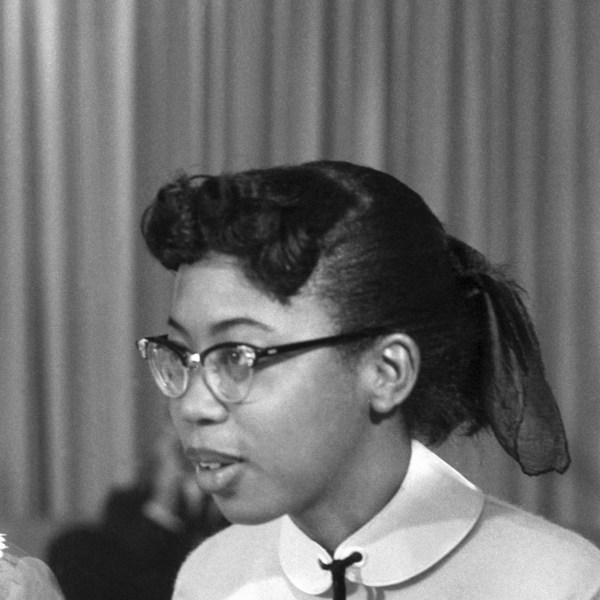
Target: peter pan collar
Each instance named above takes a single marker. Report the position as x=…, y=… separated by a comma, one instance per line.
x=430, y=514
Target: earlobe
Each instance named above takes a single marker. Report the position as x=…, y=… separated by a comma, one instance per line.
x=397, y=362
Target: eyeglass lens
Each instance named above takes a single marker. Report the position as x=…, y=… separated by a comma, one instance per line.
x=169, y=373
x=226, y=371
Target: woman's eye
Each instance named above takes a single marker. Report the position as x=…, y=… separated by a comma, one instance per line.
x=233, y=356
x=240, y=356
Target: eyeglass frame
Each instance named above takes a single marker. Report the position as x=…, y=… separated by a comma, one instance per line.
x=191, y=360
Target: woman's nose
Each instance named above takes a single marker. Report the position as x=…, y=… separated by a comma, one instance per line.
x=199, y=404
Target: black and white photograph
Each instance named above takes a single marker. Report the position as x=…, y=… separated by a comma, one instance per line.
x=300, y=299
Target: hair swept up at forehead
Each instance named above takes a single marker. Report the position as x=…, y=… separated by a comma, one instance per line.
x=279, y=222
x=273, y=221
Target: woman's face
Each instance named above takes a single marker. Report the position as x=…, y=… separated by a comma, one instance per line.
x=302, y=439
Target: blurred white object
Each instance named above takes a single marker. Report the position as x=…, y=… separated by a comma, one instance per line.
x=3, y=545
x=24, y=577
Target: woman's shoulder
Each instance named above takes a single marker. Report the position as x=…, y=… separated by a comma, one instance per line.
x=509, y=523
x=540, y=554
x=230, y=559
x=240, y=538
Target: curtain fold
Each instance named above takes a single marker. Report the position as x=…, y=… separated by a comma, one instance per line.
x=489, y=109
x=68, y=214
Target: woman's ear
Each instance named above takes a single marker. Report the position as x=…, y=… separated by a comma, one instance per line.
x=393, y=367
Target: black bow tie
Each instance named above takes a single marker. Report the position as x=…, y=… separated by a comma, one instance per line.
x=338, y=573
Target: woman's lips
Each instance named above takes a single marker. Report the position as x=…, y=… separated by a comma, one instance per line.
x=216, y=472
x=207, y=456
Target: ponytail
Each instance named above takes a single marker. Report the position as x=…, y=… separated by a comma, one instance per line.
x=517, y=399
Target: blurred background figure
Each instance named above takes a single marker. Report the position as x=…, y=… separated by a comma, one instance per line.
x=143, y=536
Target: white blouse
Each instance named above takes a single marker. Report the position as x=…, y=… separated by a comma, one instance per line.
x=439, y=537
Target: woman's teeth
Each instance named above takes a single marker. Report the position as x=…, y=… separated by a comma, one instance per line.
x=210, y=466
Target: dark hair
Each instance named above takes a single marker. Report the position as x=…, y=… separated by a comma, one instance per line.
x=376, y=254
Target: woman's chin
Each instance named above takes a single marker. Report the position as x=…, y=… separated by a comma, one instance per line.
x=241, y=512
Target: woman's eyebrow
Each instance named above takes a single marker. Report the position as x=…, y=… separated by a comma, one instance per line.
x=171, y=322
x=222, y=326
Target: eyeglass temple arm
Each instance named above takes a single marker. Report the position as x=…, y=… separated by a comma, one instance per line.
x=329, y=340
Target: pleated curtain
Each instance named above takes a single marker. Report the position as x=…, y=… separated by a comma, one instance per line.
x=490, y=109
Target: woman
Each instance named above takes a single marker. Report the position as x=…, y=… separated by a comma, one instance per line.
x=324, y=329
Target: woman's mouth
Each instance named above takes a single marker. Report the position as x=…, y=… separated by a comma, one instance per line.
x=212, y=466
x=216, y=472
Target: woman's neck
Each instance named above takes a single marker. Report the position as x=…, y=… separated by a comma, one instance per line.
x=371, y=487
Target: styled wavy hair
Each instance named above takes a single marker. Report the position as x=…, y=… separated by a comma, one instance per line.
x=371, y=249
